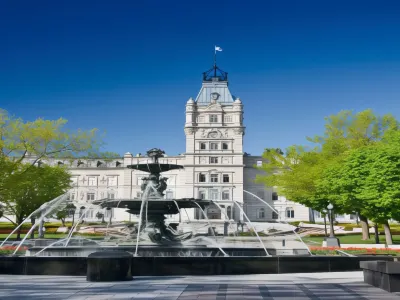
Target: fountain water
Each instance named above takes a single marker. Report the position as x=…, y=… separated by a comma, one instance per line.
x=274, y=210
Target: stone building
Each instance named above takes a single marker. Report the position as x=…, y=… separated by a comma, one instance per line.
x=215, y=166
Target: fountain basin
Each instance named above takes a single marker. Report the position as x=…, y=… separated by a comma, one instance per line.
x=175, y=266
x=167, y=251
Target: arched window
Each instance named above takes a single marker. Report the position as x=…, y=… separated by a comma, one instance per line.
x=229, y=212
x=261, y=213
x=290, y=212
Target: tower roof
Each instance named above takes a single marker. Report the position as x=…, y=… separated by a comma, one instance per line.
x=215, y=88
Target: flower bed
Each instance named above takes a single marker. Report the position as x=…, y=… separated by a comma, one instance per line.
x=354, y=251
x=8, y=250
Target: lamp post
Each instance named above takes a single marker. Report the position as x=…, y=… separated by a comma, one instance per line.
x=331, y=241
x=330, y=209
x=324, y=212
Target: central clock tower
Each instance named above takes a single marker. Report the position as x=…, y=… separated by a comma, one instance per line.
x=214, y=145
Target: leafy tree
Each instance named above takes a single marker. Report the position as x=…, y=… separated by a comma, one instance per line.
x=27, y=188
x=71, y=208
x=35, y=141
x=61, y=215
x=297, y=172
x=368, y=181
x=24, y=145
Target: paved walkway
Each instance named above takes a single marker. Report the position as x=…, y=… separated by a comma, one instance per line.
x=325, y=286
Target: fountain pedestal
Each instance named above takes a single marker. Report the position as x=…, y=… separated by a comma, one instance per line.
x=109, y=266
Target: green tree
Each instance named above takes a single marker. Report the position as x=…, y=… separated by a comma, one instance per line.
x=368, y=181
x=297, y=173
x=35, y=141
x=27, y=188
x=61, y=215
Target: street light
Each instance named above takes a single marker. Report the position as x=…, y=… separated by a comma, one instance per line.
x=324, y=212
x=330, y=209
x=331, y=241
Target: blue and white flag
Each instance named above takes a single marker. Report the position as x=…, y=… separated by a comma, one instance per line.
x=218, y=48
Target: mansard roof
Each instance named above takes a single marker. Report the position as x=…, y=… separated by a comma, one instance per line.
x=215, y=88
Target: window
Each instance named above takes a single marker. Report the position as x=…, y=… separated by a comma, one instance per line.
x=214, y=177
x=275, y=216
x=112, y=181
x=214, y=146
x=259, y=163
x=92, y=181
x=169, y=195
x=213, y=160
x=89, y=214
x=290, y=212
x=202, y=177
x=72, y=197
x=225, y=146
x=274, y=196
x=200, y=119
x=261, y=213
x=74, y=181
x=225, y=178
x=225, y=195
x=90, y=196
x=213, y=118
x=202, y=195
x=202, y=146
x=111, y=195
x=214, y=194
x=227, y=119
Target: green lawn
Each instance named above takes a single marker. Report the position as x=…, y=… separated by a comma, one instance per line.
x=350, y=239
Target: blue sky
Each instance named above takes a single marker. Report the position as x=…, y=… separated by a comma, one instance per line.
x=128, y=67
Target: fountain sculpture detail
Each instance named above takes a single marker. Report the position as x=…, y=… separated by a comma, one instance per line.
x=152, y=207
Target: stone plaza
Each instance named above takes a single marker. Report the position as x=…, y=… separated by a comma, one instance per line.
x=300, y=286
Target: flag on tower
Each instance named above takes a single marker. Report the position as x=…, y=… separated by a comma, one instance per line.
x=218, y=48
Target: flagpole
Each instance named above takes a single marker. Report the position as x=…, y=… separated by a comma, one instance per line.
x=215, y=61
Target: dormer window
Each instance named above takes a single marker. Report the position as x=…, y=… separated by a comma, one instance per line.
x=213, y=118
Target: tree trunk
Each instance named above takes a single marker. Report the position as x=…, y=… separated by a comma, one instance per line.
x=365, y=228
x=19, y=221
x=376, y=234
x=388, y=234
x=63, y=222
x=33, y=231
